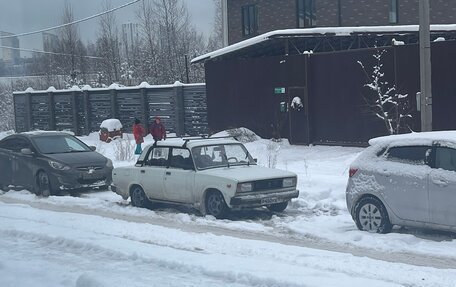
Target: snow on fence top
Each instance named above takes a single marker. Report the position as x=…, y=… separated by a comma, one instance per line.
x=337, y=31
x=143, y=85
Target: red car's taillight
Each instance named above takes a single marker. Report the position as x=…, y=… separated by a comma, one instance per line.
x=352, y=172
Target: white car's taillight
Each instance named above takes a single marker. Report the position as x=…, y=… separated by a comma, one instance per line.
x=352, y=172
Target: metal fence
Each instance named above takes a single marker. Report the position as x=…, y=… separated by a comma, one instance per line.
x=182, y=108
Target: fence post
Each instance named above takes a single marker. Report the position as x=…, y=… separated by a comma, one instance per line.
x=113, y=93
x=74, y=103
x=86, y=103
x=144, y=108
x=51, y=111
x=180, y=116
x=28, y=104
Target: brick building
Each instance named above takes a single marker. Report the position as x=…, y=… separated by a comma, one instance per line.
x=247, y=18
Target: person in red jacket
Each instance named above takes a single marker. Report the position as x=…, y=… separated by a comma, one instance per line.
x=157, y=130
x=138, y=133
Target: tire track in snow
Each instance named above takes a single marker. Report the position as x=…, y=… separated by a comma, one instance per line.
x=290, y=239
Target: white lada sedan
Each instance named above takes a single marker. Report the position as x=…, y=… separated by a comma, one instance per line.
x=214, y=175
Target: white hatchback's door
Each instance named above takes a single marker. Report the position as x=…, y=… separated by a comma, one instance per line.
x=179, y=178
x=153, y=171
x=404, y=176
x=442, y=187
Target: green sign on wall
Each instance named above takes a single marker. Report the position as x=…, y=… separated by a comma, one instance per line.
x=279, y=90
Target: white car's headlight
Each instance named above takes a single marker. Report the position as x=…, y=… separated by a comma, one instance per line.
x=58, y=165
x=289, y=182
x=245, y=187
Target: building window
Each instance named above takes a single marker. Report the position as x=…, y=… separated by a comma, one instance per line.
x=249, y=20
x=306, y=13
x=393, y=19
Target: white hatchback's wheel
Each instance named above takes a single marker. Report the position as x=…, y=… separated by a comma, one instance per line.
x=371, y=215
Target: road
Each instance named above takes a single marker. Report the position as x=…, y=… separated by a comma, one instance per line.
x=72, y=245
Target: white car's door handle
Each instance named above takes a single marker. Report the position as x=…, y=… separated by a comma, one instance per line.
x=168, y=173
x=143, y=171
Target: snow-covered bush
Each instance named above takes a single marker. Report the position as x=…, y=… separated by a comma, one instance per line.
x=243, y=135
x=383, y=99
x=124, y=150
x=273, y=149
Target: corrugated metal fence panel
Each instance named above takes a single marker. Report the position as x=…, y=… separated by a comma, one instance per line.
x=99, y=109
x=40, y=112
x=128, y=108
x=20, y=111
x=165, y=102
x=195, y=110
x=162, y=103
x=63, y=111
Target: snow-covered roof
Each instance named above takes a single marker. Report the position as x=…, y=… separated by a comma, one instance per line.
x=111, y=125
x=337, y=31
x=143, y=85
x=415, y=138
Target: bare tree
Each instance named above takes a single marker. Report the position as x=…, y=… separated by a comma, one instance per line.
x=383, y=99
x=108, y=46
x=216, y=38
x=72, y=65
x=149, y=68
x=168, y=38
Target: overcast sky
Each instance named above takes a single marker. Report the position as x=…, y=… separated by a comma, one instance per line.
x=18, y=16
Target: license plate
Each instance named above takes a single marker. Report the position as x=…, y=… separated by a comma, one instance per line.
x=92, y=176
x=270, y=200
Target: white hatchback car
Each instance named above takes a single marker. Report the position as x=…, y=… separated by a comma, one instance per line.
x=407, y=180
x=213, y=175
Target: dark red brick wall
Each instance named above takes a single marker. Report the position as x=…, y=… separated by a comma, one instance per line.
x=281, y=14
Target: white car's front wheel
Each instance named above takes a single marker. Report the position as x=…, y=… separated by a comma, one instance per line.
x=215, y=204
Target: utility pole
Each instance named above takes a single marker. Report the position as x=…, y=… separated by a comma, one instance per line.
x=425, y=67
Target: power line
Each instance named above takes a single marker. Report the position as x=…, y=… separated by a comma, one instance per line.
x=49, y=53
x=71, y=23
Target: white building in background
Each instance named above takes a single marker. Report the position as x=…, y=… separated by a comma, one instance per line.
x=11, y=55
x=50, y=42
x=130, y=37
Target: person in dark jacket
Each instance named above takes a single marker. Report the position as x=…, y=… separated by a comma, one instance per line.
x=157, y=130
x=138, y=133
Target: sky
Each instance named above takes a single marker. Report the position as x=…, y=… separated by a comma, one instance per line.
x=18, y=16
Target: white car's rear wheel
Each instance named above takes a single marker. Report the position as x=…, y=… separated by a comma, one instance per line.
x=138, y=197
x=215, y=204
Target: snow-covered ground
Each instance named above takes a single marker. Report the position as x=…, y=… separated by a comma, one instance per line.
x=98, y=239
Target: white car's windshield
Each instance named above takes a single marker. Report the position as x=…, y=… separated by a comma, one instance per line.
x=221, y=155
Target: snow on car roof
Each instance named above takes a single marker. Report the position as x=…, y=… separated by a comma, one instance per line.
x=415, y=138
x=194, y=142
